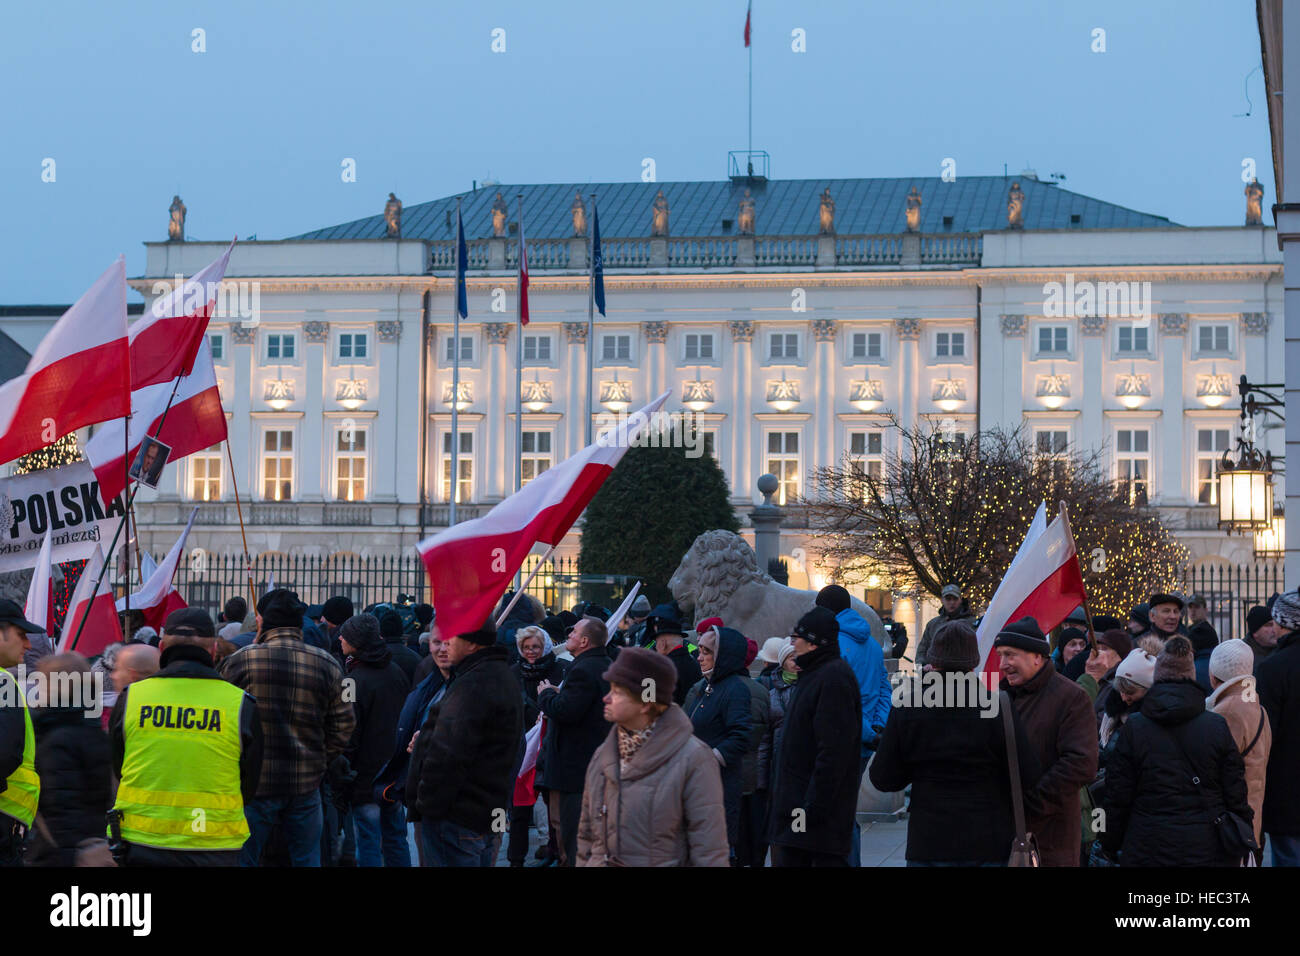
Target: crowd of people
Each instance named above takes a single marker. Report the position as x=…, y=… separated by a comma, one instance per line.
x=327, y=736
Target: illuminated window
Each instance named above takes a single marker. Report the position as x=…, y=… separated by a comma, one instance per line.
x=350, y=464
x=783, y=461
x=464, y=467
x=536, y=454
x=277, y=465
x=205, y=474
x=1211, y=443
x=1133, y=464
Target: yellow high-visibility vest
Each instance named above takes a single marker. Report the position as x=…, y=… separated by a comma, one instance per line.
x=180, y=766
x=22, y=790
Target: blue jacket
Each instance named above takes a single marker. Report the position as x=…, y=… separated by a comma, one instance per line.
x=867, y=661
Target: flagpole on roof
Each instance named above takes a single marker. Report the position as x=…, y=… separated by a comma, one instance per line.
x=453, y=484
x=748, y=43
x=591, y=303
x=519, y=364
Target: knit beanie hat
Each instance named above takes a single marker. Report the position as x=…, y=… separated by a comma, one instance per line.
x=361, y=631
x=1138, y=667
x=1256, y=618
x=708, y=624
x=1118, y=641
x=635, y=666
x=1142, y=614
x=1202, y=636
x=1286, y=610
x=786, y=652
x=483, y=637
x=751, y=650
x=1177, y=661
x=390, y=623
x=818, y=627
x=337, y=610
x=1232, y=659
x=834, y=598
x=954, y=648
x=280, y=608
x=1025, y=635
x=771, y=650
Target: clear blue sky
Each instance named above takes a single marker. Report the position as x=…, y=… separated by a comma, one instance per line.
x=252, y=132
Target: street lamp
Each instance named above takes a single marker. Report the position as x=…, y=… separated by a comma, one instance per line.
x=1246, y=485
x=1270, y=542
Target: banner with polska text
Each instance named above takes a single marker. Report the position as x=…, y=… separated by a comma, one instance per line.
x=64, y=501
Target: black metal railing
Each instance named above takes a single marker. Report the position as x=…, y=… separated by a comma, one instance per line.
x=1232, y=590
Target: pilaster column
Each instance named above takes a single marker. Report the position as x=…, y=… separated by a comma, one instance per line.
x=1087, y=394
x=741, y=471
x=1013, y=364
x=908, y=331
x=656, y=334
x=383, y=485
x=316, y=450
x=493, y=459
x=1173, y=327
x=823, y=331
x=575, y=362
x=242, y=434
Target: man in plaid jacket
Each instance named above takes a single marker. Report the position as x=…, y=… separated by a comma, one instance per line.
x=306, y=723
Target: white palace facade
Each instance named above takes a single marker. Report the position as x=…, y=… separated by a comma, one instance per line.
x=793, y=330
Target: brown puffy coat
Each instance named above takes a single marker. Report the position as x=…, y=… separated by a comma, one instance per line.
x=1062, y=728
x=1242, y=712
x=664, y=810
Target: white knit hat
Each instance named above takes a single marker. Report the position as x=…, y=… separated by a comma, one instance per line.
x=1232, y=659
x=771, y=651
x=1139, y=667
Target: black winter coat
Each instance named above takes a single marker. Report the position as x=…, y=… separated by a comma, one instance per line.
x=1155, y=814
x=379, y=691
x=688, y=673
x=719, y=707
x=955, y=759
x=72, y=762
x=576, y=723
x=549, y=668
x=405, y=658
x=1277, y=678
x=817, y=769
x=463, y=768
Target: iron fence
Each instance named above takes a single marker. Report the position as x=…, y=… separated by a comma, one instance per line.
x=208, y=580
x=1232, y=590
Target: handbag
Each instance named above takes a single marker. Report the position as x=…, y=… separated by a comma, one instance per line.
x=1236, y=835
x=1024, y=848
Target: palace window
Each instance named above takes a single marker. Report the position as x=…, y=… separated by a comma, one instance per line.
x=698, y=346
x=205, y=474
x=537, y=348
x=867, y=345
x=783, y=462
x=536, y=454
x=1133, y=464
x=277, y=465
x=464, y=467
x=350, y=464
x=1211, y=443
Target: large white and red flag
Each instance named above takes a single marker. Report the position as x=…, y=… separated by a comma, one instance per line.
x=157, y=596
x=1044, y=582
x=37, y=609
x=95, y=605
x=79, y=374
x=194, y=422
x=165, y=340
x=470, y=565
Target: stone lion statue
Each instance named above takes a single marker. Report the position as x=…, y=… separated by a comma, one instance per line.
x=719, y=577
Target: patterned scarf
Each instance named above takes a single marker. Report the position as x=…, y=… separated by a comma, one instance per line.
x=629, y=742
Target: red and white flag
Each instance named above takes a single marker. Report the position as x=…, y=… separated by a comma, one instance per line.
x=78, y=376
x=96, y=606
x=194, y=422
x=165, y=341
x=470, y=565
x=748, y=11
x=523, y=275
x=157, y=597
x=1044, y=582
x=37, y=609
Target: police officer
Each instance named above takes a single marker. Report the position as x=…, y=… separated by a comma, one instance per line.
x=188, y=748
x=20, y=788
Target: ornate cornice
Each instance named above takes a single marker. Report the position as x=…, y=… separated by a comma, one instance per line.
x=316, y=331
x=908, y=328
x=576, y=332
x=823, y=330
x=1012, y=324
x=656, y=333
x=498, y=333
x=389, y=331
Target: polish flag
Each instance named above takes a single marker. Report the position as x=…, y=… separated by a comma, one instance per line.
x=1044, y=582
x=102, y=626
x=194, y=422
x=525, y=783
x=523, y=275
x=165, y=341
x=157, y=597
x=470, y=565
x=37, y=609
x=78, y=376
x=748, y=12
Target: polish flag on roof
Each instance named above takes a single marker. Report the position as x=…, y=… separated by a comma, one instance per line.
x=165, y=341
